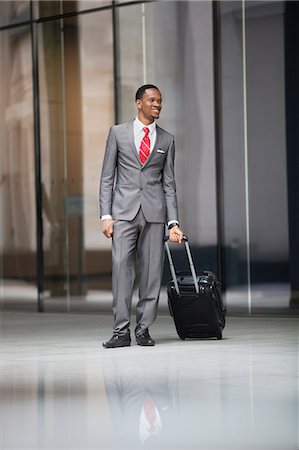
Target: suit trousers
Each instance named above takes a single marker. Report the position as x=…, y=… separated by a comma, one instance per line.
x=137, y=249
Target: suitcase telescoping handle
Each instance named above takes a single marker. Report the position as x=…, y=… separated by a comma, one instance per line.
x=171, y=265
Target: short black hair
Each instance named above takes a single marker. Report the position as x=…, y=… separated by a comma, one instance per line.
x=142, y=89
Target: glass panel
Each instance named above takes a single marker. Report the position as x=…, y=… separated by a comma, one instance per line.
x=130, y=59
x=254, y=157
x=17, y=184
x=13, y=12
x=233, y=155
x=156, y=46
x=52, y=111
x=97, y=97
x=76, y=70
x=268, y=213
x=89, y=112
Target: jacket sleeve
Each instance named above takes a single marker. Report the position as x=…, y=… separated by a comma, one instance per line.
x=108, y=174
x=169, y=185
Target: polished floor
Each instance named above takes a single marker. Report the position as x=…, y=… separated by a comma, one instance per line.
x=60, y=389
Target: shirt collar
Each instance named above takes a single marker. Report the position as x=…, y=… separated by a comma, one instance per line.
x=141, y=125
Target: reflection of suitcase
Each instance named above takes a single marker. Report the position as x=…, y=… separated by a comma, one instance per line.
x=195, y=301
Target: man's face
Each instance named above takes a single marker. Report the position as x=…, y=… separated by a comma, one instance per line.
x=150, y=105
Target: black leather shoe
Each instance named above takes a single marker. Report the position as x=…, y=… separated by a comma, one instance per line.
x=118, y=341
x=145, y=339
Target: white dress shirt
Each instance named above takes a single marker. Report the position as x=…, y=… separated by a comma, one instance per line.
x=139, y=133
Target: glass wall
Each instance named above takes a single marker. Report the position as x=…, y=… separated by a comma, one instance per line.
x=77, y=65
x=232, y=179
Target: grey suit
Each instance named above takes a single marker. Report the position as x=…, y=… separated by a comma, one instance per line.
x=140, y=199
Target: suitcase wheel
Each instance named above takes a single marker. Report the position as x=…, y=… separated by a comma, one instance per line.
x=219, y=335
x=181, y=336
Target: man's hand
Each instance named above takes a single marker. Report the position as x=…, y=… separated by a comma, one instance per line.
x=175, y=234
x=107, y=227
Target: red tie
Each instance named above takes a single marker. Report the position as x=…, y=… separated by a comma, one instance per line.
x=145, y=146
x=150, y=412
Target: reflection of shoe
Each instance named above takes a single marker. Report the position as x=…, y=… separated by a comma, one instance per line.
x=118, y=340
x=145, y=339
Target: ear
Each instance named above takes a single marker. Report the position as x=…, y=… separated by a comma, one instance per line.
x=138, y=103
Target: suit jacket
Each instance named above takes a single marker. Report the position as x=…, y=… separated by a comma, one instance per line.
x=126, y=185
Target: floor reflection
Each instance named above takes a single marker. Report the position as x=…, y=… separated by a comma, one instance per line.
x=204, y=399
x=59, y=389
x=142, y=394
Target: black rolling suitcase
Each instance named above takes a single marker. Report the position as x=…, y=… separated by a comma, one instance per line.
x=195, y=301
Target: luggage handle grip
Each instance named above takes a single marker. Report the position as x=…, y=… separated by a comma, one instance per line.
x=185, y=239
x=171, y=265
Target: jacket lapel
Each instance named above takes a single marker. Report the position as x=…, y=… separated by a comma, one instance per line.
x=130, y=133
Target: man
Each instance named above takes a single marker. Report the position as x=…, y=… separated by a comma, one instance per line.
x=137, y=198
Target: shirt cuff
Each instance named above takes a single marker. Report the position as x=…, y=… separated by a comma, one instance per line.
x=105, y=217
x=172, y=221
